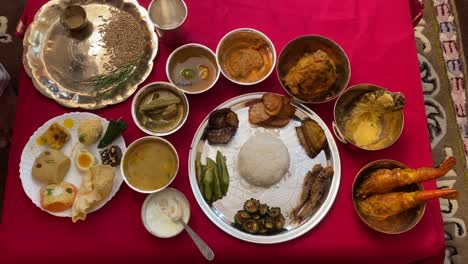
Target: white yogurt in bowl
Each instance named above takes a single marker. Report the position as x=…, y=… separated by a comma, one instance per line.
x=155, y=209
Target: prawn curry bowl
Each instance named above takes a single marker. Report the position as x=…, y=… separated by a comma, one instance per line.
x=264, y=168
x=388, y=196
x=376, y=212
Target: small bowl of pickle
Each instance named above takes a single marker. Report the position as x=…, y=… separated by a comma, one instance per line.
x=192, y=68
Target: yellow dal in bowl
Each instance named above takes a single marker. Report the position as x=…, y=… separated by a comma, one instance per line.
x=150, y=165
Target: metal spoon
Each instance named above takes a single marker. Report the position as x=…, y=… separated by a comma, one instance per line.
x=176, y=216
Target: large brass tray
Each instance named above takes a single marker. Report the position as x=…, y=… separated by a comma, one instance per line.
x=63, y=64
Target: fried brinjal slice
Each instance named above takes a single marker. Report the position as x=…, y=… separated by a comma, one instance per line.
x=220, y=135
x=222, y=126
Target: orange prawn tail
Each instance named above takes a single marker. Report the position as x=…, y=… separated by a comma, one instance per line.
x=447, y=165
x=425, y=174
x=433, y=194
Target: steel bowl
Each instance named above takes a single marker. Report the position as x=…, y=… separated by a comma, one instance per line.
x=392, y=123
x=238, y=36
x=135, y=144
x=153, y=229
x=151, y=87
x=397, y=224
x=296, y=48
x=198, y=50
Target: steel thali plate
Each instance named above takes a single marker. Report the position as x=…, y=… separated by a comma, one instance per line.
x=285, y=194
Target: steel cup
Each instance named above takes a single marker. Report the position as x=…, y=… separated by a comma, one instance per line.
x=73, y=18
x=168, y=17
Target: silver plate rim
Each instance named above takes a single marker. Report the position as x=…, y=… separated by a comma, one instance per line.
x=283, y=237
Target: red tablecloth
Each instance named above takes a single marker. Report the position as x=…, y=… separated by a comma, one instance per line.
x=377, y=36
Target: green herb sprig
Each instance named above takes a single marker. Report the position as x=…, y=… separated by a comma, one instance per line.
x=113, y=82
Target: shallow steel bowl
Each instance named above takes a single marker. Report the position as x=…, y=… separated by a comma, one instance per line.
x=238, y=36
x=149, y=88
x=198, y=50
x=135, y=144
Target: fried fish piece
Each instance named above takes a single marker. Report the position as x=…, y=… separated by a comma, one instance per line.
x=306, y=188
x=317, y=188
x=55, y=136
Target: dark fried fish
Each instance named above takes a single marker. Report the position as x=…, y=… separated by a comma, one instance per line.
x=306, y=187
x=317, y=189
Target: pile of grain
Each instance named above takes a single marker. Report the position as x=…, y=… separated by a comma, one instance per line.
x=124, y=39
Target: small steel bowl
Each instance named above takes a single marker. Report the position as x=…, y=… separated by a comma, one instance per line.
x=196, y=50
x=153, y=229
x=296, y=48
x=135, y=144
x=147, y=89
x=78, y=13
x=393, y=123
x=397, y=224
x=238, y=36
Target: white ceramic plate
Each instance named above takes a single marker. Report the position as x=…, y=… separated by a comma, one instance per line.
x=32, y=150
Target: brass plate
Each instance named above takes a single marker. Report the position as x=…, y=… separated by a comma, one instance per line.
x=62, y=63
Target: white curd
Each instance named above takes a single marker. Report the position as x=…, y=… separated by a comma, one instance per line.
x=155, y=212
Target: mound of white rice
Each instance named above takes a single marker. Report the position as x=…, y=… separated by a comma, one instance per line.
x=263, y=160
